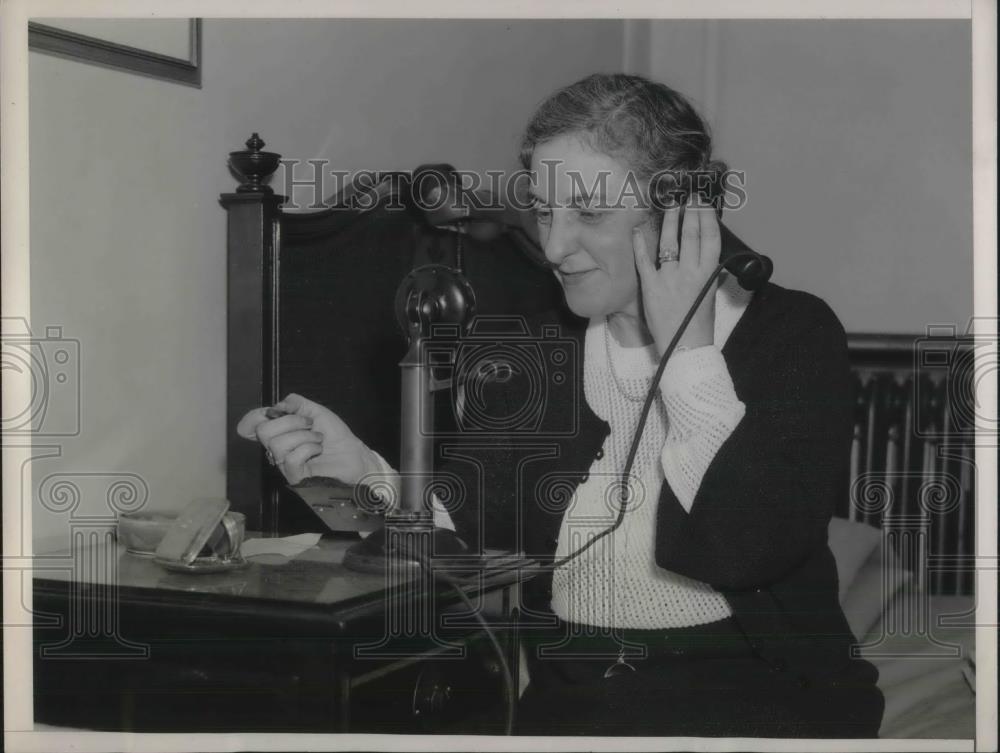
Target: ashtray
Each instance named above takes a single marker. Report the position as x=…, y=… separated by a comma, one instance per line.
x=203, y=565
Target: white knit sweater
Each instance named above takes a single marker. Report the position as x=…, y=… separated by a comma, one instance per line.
x=617, y=583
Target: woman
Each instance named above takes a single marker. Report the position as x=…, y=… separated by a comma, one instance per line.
x=712, y=609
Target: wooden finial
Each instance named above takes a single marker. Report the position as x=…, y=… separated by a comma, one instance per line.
x=254, y=166
x=255, y=143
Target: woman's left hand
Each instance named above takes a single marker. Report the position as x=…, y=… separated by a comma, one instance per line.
x=668, y=292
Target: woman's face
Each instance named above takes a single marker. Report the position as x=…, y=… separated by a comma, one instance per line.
x=586, y=205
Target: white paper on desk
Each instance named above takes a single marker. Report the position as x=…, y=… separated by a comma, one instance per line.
x=289, y=546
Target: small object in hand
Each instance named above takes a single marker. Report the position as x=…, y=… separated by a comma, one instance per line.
x=272, y=413
x=339, y=505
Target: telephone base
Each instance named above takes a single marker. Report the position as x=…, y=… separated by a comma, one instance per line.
x=399, y=546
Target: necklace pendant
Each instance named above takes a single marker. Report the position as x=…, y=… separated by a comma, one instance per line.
x=620, y=666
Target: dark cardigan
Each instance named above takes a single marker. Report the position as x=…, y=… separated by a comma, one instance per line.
x=757, y=528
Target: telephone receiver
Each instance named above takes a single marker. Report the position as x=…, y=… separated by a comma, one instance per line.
x=445, y=205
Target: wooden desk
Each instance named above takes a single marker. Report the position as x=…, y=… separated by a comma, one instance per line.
x=123, y=644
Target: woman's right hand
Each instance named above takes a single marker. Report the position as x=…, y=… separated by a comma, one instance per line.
x=310, y=440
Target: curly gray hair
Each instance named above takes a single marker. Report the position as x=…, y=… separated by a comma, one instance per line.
x=649, y=126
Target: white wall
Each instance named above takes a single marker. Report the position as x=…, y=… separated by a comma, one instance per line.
x=856, y=140
x=128, y=249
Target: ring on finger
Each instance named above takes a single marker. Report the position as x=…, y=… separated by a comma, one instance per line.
x=669, y=255
x=270, y=458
